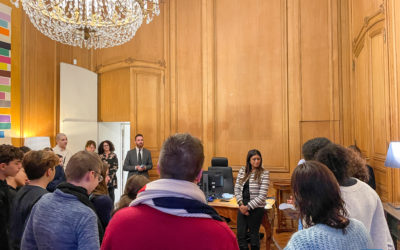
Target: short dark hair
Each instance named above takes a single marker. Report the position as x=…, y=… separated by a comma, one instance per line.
x=138, y=136
x=24, y=149
x=81, y=163
x=181, y=157
x=9, y=153
x=311, y=147
x=317, y=194
x=100, y=150
x=36, y=163
x=90, y=142
x=336, y=158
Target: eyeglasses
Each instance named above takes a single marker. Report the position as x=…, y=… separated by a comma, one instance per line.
x=99, y=176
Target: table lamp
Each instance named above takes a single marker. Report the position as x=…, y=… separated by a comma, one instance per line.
x=37, y=143
x=393, y=161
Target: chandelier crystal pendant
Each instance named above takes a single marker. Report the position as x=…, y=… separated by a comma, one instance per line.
x=89, y=23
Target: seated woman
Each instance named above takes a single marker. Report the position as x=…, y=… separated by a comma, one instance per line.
x=317, y=195
x=132, y=187
x=100, y=199
x=251, y=190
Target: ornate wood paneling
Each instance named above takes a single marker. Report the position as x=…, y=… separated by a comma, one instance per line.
x=251, y=82
x=236, y=76
x=370, y=90
x=114, y=83
x=319, y=76
x=188, y=66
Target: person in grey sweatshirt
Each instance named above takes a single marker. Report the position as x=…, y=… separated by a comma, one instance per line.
x=66, y=218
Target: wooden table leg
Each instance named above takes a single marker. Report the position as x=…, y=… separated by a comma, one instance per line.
x=268, y=230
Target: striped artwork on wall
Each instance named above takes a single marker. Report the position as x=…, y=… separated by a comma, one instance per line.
x=5, y=56
x=5, y=74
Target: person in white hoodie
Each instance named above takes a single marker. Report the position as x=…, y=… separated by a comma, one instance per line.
x=61, y=148
x=361, y=201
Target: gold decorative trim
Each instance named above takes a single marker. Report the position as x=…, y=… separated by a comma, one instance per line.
x=131, y=62
x=369, y=22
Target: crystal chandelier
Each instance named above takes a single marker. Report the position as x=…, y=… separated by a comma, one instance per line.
x=89, y=23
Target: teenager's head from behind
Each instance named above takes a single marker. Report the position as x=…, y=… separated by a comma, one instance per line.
x=134, y=184
x=311, y=147
x=132, y=187
x=317, y=195
x=10, y=161
x=336, y=158
x=90, y=146
x=181, y=158
x=40, y=164
x=84, y=170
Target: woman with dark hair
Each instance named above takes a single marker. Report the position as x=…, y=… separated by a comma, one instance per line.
x=251, y=190
x=107, y=155
x=317, y=195
x=369, y=178
x=100, y=199
x=132, y=187
x=361, y=201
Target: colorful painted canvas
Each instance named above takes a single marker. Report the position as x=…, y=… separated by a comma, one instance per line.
x=5, y=56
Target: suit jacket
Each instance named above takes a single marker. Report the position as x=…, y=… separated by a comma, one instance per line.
x=131, y=161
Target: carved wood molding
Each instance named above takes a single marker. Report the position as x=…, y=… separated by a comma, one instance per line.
x=369, y=22
x=131, y=62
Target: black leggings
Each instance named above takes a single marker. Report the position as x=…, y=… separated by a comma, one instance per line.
x=249, y=223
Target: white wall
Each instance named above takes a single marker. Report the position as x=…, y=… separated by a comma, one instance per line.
x=78, y=105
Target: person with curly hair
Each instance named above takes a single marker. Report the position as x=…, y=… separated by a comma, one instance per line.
x=368, y=178
x=106, y=152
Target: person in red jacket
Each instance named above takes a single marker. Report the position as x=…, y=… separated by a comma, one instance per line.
x=172, y=212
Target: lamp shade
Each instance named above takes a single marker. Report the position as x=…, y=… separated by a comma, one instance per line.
x=37, y=143
x=393, y=155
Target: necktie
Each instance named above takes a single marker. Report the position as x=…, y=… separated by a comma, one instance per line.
x=140, y=158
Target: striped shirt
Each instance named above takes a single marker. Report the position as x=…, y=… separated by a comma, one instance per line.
x=258, y=192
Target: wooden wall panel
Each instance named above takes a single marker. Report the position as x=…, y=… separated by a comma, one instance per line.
x=370, y=92
x=147, y=90
x=361, y=115
x=316, y=39
x=111, y=84
x=39, y=83
x=188, y=68
x=251, y=85
x=146, y=45
x=328, y=129
x=380, y=114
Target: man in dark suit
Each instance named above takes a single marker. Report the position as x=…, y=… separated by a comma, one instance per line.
x=138, y=160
